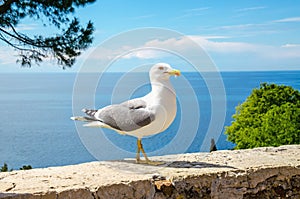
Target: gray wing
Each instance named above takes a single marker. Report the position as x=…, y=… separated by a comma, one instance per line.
x=128, y=116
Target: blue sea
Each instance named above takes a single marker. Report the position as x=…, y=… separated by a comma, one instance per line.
x=35, y=111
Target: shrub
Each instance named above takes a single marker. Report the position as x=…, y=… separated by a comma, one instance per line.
x=270, y=116
x=4, y=168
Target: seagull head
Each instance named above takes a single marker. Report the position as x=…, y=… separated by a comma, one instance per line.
x=162, y=72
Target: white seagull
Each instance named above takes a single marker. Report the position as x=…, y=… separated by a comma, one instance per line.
x=140, y=117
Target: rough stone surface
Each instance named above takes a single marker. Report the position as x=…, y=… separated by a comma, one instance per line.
x=258, y=173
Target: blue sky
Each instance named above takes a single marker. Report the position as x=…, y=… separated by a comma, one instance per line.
x=237, y=35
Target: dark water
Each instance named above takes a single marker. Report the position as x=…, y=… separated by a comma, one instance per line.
x=35, y=109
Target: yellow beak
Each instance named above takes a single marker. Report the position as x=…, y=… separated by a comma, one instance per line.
x=175, y=72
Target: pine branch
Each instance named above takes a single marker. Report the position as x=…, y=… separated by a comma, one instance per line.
x=6, y=6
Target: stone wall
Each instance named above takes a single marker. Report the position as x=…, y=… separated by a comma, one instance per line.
x=257, y=173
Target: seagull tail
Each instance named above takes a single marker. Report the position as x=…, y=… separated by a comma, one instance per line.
x=91, y=122
x=95, y=124
x=89, y=112
x=83, y=119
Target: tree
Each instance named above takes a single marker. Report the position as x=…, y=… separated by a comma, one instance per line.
x=26, y=167
x=63, y=47
x=270, y=116
x=4, y=168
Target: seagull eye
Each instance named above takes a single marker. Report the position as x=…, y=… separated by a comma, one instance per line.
x=161, y=68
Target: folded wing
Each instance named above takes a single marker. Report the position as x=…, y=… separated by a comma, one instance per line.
x=128, y=116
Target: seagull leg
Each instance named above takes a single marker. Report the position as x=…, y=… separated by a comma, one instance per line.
x=139, y=147
x=143, y=151
x=138, y=159
x=146, y=161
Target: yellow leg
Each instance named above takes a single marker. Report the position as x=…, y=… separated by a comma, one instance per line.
x=138, y=159
x=146, y=161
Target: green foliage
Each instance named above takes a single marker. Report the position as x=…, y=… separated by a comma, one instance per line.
x=63, y=47
x=270, y=116
x=4, y=168
x=26, y=167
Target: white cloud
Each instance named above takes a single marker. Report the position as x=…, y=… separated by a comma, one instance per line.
x=291, y=19
x=291, y=46
x=243, y=27
x=144, y=54
x=196, y=9
x=183, y=44
x=234, y=53
x=215, y=37
x=223, y=47
x=193, y=12
x=155, y=48
x=21, y=27
x=289, y=51
x=225, y=53
x=251, y=9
